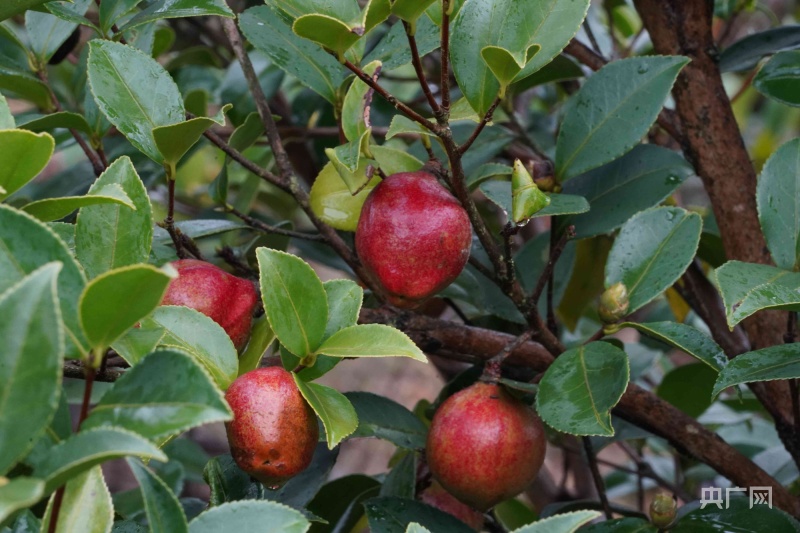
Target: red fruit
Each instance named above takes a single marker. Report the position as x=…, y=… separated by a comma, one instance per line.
x=274, y=431
x=413, y=236
x=227, y=300
x=485, y=446
x=437, y=497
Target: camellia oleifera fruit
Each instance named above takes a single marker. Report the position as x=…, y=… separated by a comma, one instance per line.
x=227, y=300
x=274, y=431
x=436, y=496
x=413, y=236
x=485, y=446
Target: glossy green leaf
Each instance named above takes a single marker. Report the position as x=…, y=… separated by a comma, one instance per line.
x=776, y=362
x=115, y=301
x=486, y=172
x=19, y=493
x=30, y=363
x=330, y=33
x=513, y=514
x=171, y=9
x=393, y=161
x=25, y=245
x=371, y=340
x=578, y=391
x=388, y=514
x=164, y=511
x=506, y=65
x=413, y=527
x=401, y=481
x=270, y=31
x=261, y=336
x=112, y=236
x=294, y=300
x=739, y=514
x=134, y=92
x=146, y=399
x=652, y=251
x=745, y=53
x=606, y=118
x=561, y=523
x=526, y=198
x=747, y=288
x=6, y=117
x=88, y=448
x=348, y=162
x=248, y=516
x=401, y=124
x=332, y=201
x=410, y=10
x=386, y=419
x=561, y=68
x=499, y=192
x=174, y=140
x=51, y=209
x=621, y=525
x=9, y=8
x=344, y=303
x=779, y=78
x=514, y=27
x=686, y=339
x=23, y=156
x=47, y=32
x=332, y=407
x=354, y=105
x=111, y=10
x=138, y=342
x=25, y=86
x=640, y=179
x=392, y=50
x=688, y=387
x=778, y=198
x=65, y=10
x=86, y=506
x=199, y=336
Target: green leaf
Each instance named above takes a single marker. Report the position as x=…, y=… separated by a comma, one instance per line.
x=344, y=303
x=779, y=78
x=526, y=198
x=201, y=337
x=112, y=236
x=30, y=362
x=112, y=10
x=249, y=515
x=25, y=245
x=23, y=156
x=392, y=161
x=86, y=506
x=515, y=27
x=174, y=140
x=561, y=68
x=401, y=481
x=261, y=336
x=6, y=117
x=652, y=251
x=294, y=300
x=745, y=53
x=581, y=387
x=778, y=198
x=621, y=525
x=512, y=514
x=270, y=31
x=371, y=340
x=347, y=161
x=410, y=10
x=115, y=301
x=487, y=171
x=164, y=511
x=388, y=514
x=561, y=523
x=124, y=81
x=332, y=201
x=401, y=124
x=89, y=448
x=329, y=32
x=354, y=105
x=47, y=32
x=499, y=193
x=146, y=400
x=65, y=11
x=392, y=50
x=9, y=8
x=25, y=86
x=686, y=339
x=688, y=387
x=640, y=179
x=739, y=514
x=747, y=288
x=606, y=118
x=19, y=493
x=332, y=407
x=506, y=65
x=51, y=209
x=138, y=342
x=386, y=419
x=171, y=9
x=776, y=362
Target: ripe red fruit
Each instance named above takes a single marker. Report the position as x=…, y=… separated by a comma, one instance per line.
x=485, y=446
x=274, y=431
x=437, y=497
x=227, y=300
x=413, y=236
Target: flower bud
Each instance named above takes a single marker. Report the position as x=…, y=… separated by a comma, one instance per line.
x=663, y=509
x=613, y=303
x=526, y=198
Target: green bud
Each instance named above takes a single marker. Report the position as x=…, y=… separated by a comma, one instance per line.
x=526, y=198
x=663, y=509
x=613, y=303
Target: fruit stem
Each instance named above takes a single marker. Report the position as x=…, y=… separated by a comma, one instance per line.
x=492, y=370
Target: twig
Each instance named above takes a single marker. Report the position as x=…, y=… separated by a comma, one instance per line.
x=445, y=59
x=417, y=62
x=169, y=221
x=590, y=34
x=457, y=310
x=508, y=233
x=555, y=253
x=267, y=228
x=598, y=479
x=237, y=156
x=745, y=85
x=479, y=128
x=492, y=370
x=790, y=337
x=75, y=369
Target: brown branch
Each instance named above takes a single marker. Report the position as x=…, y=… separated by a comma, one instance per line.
x=417, y=62
x=479, y=128
x=267, y=228
x=599, y=485
x=555, y=254
x=445, y=59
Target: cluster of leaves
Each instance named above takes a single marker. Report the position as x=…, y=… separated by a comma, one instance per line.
x=73, y=286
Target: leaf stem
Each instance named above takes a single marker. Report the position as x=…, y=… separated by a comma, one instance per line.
x=417, y=62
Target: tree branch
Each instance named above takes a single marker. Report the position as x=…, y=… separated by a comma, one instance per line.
x=417, y=62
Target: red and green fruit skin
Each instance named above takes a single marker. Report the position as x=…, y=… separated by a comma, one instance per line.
x=436, y=496
x=226, y=299
x=413, y=236
x=274, y=431
x=485, y=446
